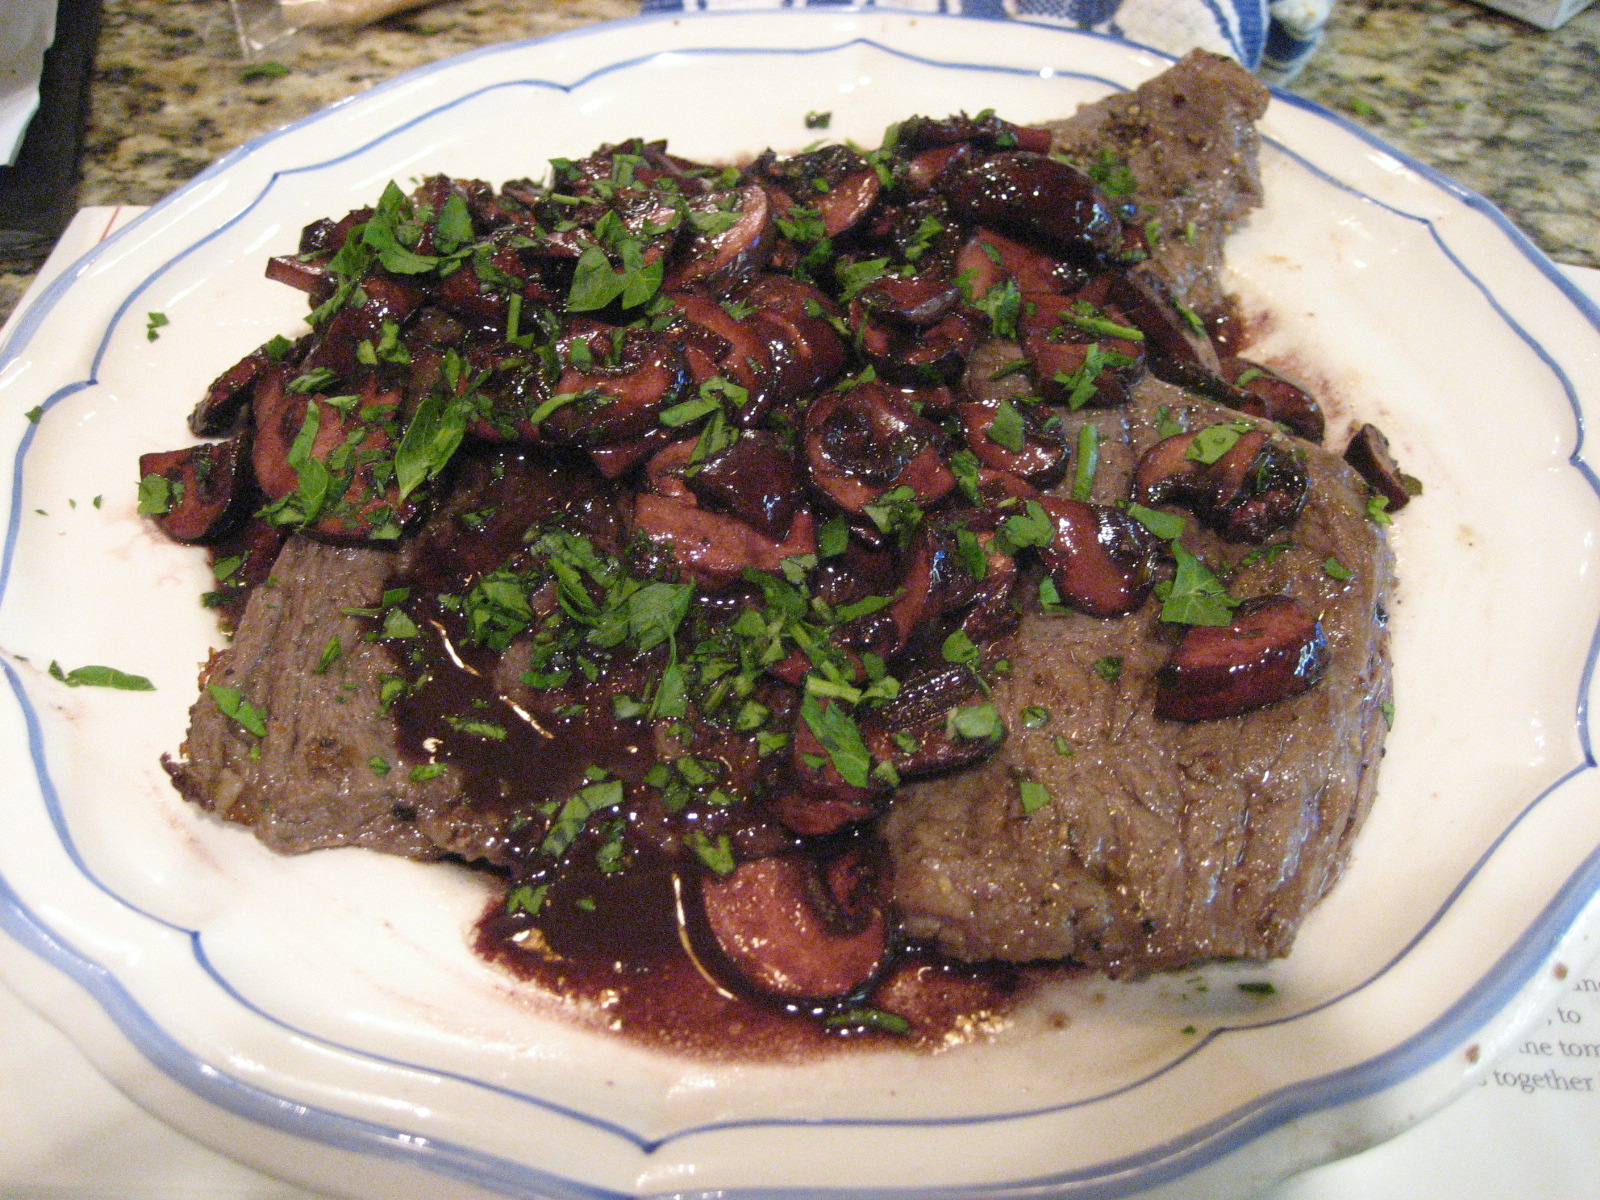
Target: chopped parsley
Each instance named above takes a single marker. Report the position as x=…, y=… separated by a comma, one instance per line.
x=1034, y=796
x=574, y=814
x=1035, y=716
x=1212, y=442
x=1087, y=463
x=1195, y=596
x=271, y=69
x=1109, y=668
x=106, y=677
x=976, y=722
x=861, y=1017
x=1007, y=430
x=233, y=705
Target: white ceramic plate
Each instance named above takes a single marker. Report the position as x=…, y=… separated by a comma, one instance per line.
x=323, y=1016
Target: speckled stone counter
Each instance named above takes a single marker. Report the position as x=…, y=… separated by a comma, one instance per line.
x=1506, y=109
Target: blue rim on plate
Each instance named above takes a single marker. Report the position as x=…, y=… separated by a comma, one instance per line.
x=1496, y=987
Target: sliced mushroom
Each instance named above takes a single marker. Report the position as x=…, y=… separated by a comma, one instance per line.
x=1368, y=452
x=1023, y=440
x=620, y=399
x=617, y=459
x=924, y=168
x=988, y=258
x=1274, y=649
x=228, y=397
x=843, y=205
x=206, y=487
x=311, y=277
x=836, y=181
x=1036, y=197
x=715, y=549
x=867, y=441
x=922, y=357
x=469, y=296
x=1102, y=561
x=783, y=932
x=724, y=259
x=1257, y=487
x=915, y=302
x=913, y=732
x=1180, y=351
x=792, y=318
x=1266, y=393
x=744, y=359
x=755, y=480
x=336, y=345
x=1078, y=356
x=820, y=800
x=986, y=131
x=357, y=496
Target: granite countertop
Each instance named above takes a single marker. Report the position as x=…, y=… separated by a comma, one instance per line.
x=1502, y=107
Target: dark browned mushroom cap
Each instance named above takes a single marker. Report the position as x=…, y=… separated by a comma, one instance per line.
x=986, y=131
x=835, y=180
x=738, y=245
x=1234, y=476
x=1180, y=351
x=793, y=320
x=867, y=441
x=787, y=932
x=1101, y=560
x=1025, y=440
x=715, y=342
x=228, y=398
x=756, y=480
x=915, y=301
x=1368, y=452
x=203, y=489
x=1036, y=197
x=918, y=357
x=1266, y=393
x=914, y=732
x=1274, y=649
x=622, y=393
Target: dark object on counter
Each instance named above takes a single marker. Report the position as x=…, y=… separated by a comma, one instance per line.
x=38, y=191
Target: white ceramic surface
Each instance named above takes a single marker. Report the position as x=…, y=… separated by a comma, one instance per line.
x=323, y=1016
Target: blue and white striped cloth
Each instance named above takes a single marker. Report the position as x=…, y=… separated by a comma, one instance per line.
x=1272, y=37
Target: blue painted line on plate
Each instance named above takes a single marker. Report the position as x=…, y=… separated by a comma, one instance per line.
x=1108, y=1179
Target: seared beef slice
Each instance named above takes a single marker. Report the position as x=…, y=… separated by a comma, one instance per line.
x=1164, y=842
x=318, y=778
x=1189, y=142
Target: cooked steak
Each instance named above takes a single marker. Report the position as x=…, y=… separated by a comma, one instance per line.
x=1188, y=142
x=701, y=535
x=1164, y=842
x=327, y=772
x=331, y=769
